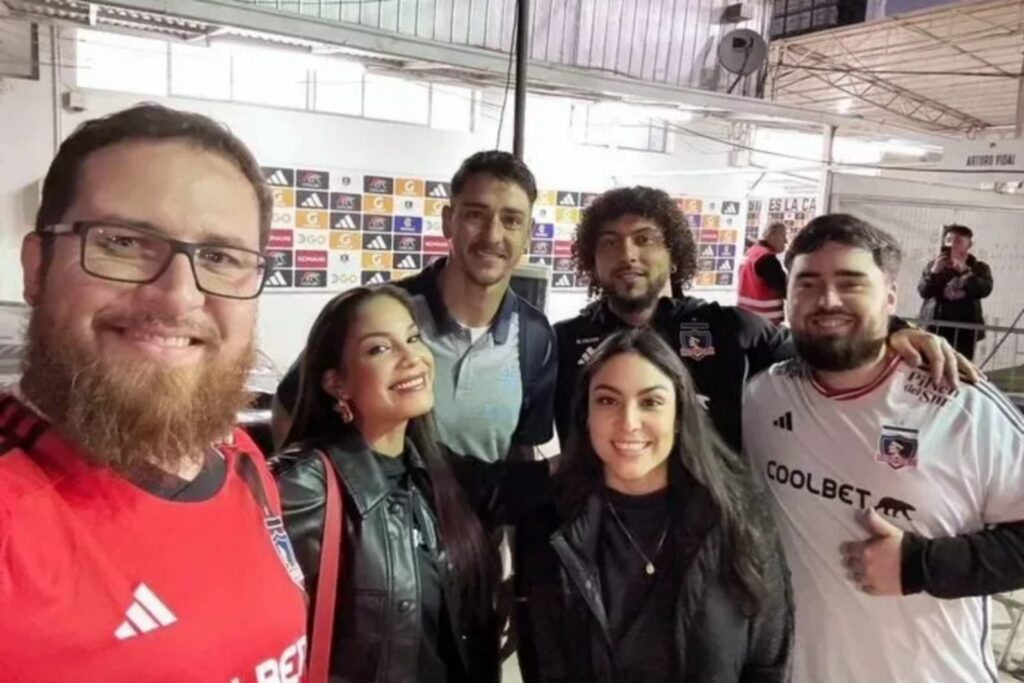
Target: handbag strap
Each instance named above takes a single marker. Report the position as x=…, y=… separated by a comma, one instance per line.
x=327, y=582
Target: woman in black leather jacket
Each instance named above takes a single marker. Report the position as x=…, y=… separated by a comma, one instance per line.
x=417, y=574
x=659, y=561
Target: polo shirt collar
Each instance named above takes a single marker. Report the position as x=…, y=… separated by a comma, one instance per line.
x=446, y=324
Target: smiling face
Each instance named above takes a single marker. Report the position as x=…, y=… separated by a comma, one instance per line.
x=632, y=423
x=157, y=368
x=838, y=304
x=632, y=262
x=388, y=373
x=488, y=225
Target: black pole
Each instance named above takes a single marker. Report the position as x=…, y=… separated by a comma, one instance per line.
x=522, y=53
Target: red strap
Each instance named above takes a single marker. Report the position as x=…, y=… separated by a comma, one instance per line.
x=327, y=583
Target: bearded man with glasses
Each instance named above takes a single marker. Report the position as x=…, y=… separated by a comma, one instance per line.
x=140, y=533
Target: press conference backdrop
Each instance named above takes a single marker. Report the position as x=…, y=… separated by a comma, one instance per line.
x=998, y=240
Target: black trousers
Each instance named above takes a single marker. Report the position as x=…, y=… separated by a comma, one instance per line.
x=961, y=339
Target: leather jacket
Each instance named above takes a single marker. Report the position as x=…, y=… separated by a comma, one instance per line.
x=564, y=634
x=936, y=307
x=377, y=628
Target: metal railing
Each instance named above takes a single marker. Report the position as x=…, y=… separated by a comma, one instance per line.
x=999, y=353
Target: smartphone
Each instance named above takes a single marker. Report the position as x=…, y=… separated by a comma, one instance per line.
x=944, y=252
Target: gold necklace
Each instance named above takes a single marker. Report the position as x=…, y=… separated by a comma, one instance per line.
x=649, y=564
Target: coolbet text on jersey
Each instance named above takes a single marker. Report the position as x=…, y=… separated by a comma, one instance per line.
x=101, y=581
x=935, y=461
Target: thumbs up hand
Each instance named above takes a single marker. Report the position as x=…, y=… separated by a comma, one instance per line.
x=874, y=564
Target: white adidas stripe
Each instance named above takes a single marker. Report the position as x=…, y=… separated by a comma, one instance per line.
x=313, y=202
x=146, y=613
x=377, y=279
x=567, y=201
x=277, y=178
x=439, y=192
x=378, y=243
x=277, y=280
x=346, y=222
x=407, y=262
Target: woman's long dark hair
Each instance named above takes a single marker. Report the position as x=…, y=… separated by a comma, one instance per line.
x=315, y=420
x=697, y=449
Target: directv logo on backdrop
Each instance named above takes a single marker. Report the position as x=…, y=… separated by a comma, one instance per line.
x=280, y=177
x=544, y=231
x=438, y=190
x=409, y=224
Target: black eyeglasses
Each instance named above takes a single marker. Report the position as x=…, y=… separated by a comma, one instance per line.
x=125, y=253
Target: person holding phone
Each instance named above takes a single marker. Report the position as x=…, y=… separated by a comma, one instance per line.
x=952, y=287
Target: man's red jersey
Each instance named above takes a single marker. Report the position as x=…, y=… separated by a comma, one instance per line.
x=102, y=581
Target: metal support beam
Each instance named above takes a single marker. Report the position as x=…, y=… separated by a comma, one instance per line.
x=951, y=45
x=828, y=137
x=1019, y=128
x=885, y=94
x=522, y=40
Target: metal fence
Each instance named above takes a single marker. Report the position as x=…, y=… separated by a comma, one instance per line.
x=998, y=351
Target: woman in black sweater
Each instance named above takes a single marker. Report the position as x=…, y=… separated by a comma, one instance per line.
x=658, y=560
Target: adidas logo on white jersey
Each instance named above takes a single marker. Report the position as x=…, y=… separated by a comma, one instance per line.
x=784, y=422
x=377, y=243
x=407, y=262
x=277, y=178
x=439, y=192
x=377, y=279
x=345, y=222
x=312, y=202
x=277, y=279
x=146, y=613
x=587, y=353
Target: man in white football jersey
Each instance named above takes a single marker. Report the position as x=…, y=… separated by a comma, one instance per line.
x=899, y=501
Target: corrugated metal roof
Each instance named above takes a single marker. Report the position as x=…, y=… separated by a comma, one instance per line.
x=951, y=69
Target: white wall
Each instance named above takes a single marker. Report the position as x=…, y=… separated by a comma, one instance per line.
x=295, y=138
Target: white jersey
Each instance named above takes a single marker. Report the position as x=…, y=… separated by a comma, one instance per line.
x=931, y=460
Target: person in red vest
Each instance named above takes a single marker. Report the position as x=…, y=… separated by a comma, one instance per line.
x=762, y=279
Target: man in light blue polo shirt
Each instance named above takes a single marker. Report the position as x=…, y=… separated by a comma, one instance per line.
x=494, y=352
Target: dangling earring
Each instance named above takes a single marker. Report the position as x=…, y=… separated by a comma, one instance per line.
x=342, y=408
